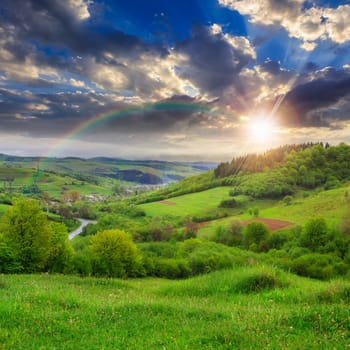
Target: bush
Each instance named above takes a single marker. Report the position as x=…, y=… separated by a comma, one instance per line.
x=229, y=203
x=82, y=264
x=256, y=236
x=287, y=200
x=115, y=255
x=278, y=239
x=258, y=281
x=62, y=253
x=315, y=234
x=231, y=235
x=171, y=268
x=321, y=266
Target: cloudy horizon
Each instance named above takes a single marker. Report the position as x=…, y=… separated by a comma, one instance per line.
x=194, y=80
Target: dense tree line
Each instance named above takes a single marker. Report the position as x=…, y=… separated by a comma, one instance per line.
x=29, y=243
x=254, y=163
x=308, y=168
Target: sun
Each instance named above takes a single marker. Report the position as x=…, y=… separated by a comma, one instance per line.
x=261, y=130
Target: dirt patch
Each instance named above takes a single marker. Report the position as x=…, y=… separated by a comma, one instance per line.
x=272, y=224
x=167, y=203
x=203, y=224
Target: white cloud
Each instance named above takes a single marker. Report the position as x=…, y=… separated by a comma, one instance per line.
x=76, y=83
x=308, y=25
x=80, y=8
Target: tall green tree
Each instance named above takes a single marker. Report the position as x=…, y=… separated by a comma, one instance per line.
x=315, y=234
x=27, y=234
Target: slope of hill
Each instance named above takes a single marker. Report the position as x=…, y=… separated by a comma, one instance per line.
x=30, y=181
x=141, y=172
x=277, y=173
x=246, y=308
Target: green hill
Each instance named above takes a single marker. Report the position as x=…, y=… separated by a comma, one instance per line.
x=16, y=179
x=248, y=308
x=234, y=244
x=140, y=172
x=273, y=174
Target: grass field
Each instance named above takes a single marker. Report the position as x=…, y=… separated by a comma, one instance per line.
x=55, y=184
x=305, y=205
x=189, y=204
x=250, y=308
x=329, y=204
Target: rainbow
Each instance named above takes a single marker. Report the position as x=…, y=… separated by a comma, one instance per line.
x=100, y=119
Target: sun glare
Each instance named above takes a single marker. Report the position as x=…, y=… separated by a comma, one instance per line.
x=261, y=130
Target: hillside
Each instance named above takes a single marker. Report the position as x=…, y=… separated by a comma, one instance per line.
x=246, y=308
x=140, y=172
x=30, y=181
x=255, y=259
x=273, y=174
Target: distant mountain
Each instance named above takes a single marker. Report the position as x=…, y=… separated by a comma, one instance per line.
x=150, y=172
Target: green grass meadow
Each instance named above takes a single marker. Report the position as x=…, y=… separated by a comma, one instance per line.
x=329, y=204
x=189, y=204
x=249, y=308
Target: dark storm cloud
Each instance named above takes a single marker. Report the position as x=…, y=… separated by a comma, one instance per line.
x=214, y=62
x=309, y=101
x=51, y=22
x=175, y=113
x=54, y=115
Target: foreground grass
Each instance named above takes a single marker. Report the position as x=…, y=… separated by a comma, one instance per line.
x=249, y=308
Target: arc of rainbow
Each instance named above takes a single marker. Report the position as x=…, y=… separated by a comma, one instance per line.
x=100, y=119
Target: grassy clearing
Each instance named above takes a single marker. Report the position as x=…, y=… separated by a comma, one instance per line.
x=189, y=204
x=328, y=204
x=222, y=310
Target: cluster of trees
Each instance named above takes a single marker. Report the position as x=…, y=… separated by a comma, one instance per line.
x=254, y=163
x=308, y=168
x=30, y=243
x=314, y=250
x=273, y=174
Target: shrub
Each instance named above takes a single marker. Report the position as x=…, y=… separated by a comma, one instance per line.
x=229, y=203
x=258, y=281
x=255, y=236
x=278, y=239
x=231, y=235
x=8, y=258
x=171, y=268
x=287, y=200
x=115, y=255
x=314, y=234
x=82, y=264
x=61, y=253
x=321, y=266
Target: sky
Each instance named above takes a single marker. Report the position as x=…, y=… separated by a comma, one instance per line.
x=172, y=80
